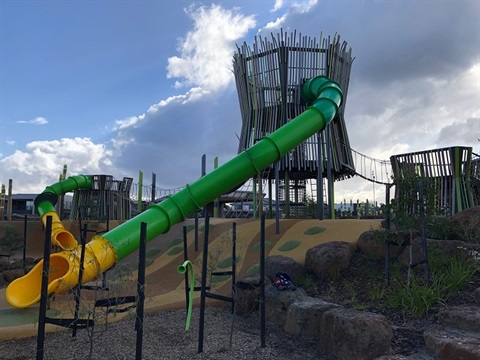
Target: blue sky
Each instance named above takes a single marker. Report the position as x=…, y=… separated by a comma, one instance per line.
x=116, y=87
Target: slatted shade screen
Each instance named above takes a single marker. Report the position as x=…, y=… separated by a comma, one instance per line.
x=269, y=76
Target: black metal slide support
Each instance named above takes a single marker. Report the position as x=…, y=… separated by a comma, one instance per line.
x=204, y=288
x=43, y=299
x=24, y=243
x=387, y=242
x=201, y=324
x=421, y=198
x=262, y=281
x=78, y=288
x=141, y=290
x=234, y=264
x=196, y=231
x=185, y=258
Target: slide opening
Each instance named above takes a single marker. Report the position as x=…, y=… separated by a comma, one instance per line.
x=66, y=240
x=59, y=267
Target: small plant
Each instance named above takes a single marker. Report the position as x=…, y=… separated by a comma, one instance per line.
x=11, y=241
x=449, y=276
x=438, y=227
x=376, y=292
x=458, y=275
x=415, y=299
x=307, y=282
x=334, y=271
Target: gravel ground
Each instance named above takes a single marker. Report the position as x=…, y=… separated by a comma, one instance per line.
x=164, y=337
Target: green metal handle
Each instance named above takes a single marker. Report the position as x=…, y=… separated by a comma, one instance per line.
x=182, y=269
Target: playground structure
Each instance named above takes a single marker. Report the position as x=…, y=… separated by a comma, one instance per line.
x=104, y=251
x=106, y=199
x=453, y=170
x=269, y=79
x=286, y=101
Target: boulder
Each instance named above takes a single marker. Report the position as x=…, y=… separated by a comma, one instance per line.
x=477, y=295
x=446, y=344
x=463, y=317
x=10, y=275
x=465, y=225
x=3, y=283
x=353, y=335
x=329, y=259
x=247, y=294
x=4, y=263
x=277, y=302
x=279, y=263
x=451, y=247
x=304, y=316
x=370, y=244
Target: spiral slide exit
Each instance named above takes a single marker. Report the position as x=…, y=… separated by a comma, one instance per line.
x=103, y=251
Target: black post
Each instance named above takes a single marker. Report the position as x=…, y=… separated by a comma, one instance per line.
x=421, y=198
x=78, y=288
x=203, y=286
x=24, y=243
x=387, y=242
x=185, y=258
x=154, y=186
x=234, y=264
x=196, y=231
x=262, y=280
x=141, y=290
x=204, y=172
x=44, y=294
x=320, y=204
x=277, y=205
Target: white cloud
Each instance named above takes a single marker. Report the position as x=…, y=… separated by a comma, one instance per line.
x=42, y=162
x=130, y=121
x=39, y=120
x=206, y=52
x=295, y=8
x=10, y=141
x=278, y=5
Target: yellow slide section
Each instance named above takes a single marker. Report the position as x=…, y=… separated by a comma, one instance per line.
x=60, y=236
x=64, y=270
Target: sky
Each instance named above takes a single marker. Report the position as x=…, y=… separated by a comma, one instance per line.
x=114, y=87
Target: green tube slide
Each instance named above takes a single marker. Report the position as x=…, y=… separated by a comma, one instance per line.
x=103, y=251
x=45, y=205
x=325, y=97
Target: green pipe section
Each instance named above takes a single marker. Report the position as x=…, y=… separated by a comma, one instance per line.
x=182, y=269
x=45, y=202
x=45, y=205
x=325, y=97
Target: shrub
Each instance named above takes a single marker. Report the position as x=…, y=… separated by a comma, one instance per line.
x=11, y=241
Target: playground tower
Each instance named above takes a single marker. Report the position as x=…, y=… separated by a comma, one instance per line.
x=454, y=171
x=107, y=199
x=269, y=77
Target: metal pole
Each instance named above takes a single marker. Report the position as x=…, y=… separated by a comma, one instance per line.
x=24, y=242
x=320, y=204
x=203, y=287
x=140, y=194
x=43, y=299
x=204, y=171
x=196, y=231
x=154, y=187
x=331, y=204
x=185, y=258
x=262, y=281
x=234, y=265
x=140, y=290
x=277, y=205
x=215, y=202
x=78, y=288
